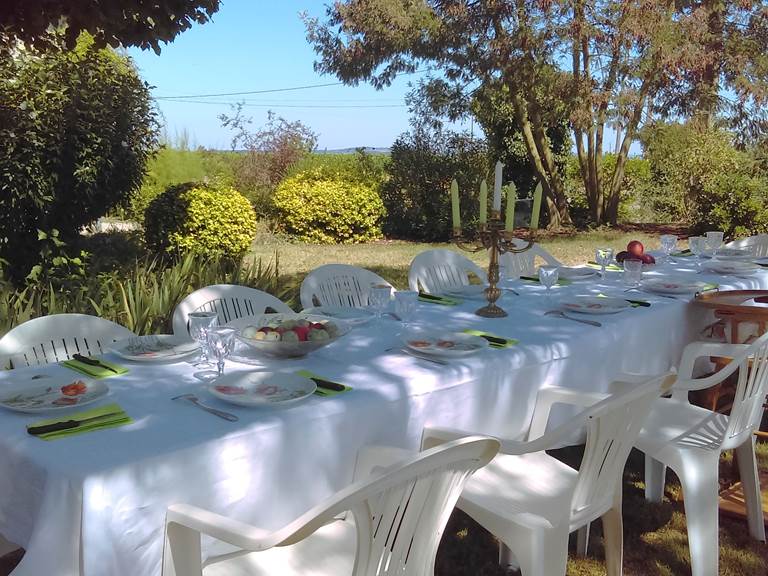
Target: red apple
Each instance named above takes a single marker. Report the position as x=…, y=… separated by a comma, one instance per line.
x=647, y=259
x=621, y=256
x=265, y=329
x=301, y=332
x=635, y=248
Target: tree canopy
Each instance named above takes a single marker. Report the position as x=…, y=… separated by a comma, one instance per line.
x=109, y=22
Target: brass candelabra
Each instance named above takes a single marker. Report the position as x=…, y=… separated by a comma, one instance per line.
x=497, y=241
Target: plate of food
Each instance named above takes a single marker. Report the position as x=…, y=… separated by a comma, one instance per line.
x=730, y=266
x=289, y=335
x=673, y=286
x=55, y=394
x=576, y=272
x=352, y=316
x=258, y=389
x=470, y=291
x=451, y=344
x=594, y=305
x=155, y=348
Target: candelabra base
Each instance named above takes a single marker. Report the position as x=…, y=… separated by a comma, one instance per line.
x=491, y=311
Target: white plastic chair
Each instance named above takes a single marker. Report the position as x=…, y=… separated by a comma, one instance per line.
x=524, y=263
x=396, y=521
x=532, y=501
x=58, y=337
x=757, y=244
x=340, y=285
x=441, y=270
x=229, y=301
x=689, y=439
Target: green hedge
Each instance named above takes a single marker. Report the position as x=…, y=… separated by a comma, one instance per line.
x=314, y=208
x=194, y=217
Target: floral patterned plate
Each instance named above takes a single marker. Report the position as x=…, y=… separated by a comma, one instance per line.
x=446, y=344
x=52, y=395
x=255, y=389
x=595, y=305
x=155, y=348
x=673, y=286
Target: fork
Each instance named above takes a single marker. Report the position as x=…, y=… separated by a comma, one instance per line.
x=196, y=401
x=561, y=314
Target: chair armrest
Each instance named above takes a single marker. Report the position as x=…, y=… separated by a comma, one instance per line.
x=375, y=459
x=696, y=350
x=431, y=437
x=547, y=397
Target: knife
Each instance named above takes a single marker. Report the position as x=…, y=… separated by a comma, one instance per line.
x=67, y=424
x=328, y=385
x=435, y=298
x=93, y=362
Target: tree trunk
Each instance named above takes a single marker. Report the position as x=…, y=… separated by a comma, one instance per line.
x=707, y=88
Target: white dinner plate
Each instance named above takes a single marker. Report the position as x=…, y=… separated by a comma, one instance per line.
x=352, y=316
x=476, y=291
x=450, y=344
x=576, y=272
x=733, y=253
x=594, y=305
x=155, y=348
x=730, y=266
x=255, y=389
x=673, y=286
x=53, y=394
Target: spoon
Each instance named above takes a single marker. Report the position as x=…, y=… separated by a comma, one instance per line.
x=194, y=400
x=561, y=314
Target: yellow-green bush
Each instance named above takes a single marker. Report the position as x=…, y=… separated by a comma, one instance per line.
x=193, y=217
x=314, y=208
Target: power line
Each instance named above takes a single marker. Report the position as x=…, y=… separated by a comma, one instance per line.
x=278, y=105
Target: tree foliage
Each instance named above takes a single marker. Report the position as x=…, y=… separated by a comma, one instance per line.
x=123, y=23
x=76, y=129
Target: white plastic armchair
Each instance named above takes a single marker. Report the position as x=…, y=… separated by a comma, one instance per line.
x=338, y=285
x=441, y=270
x=58, y=337
x=532, y=502
x=396, y=521
x=689, y=439
x=229, y=301
x=757, y=244
x=524, y=263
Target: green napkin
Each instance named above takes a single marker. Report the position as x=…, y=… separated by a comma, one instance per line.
x=634, y=303
x=709, y=286
x=324, y=392
x=610, y=267
x=560, y=282
x=119, y=418
x=683, y=253
x=435, y=299
x=494, y=340
x=95, y=371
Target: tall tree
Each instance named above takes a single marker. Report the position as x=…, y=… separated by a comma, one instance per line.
x=602, y=60
x=116, y=23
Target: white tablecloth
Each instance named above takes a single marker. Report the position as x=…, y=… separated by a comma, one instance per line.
x=94, y=504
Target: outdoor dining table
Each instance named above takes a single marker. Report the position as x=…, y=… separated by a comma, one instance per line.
x=94, y=504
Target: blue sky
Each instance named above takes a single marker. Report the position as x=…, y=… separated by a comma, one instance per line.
x=261, y=45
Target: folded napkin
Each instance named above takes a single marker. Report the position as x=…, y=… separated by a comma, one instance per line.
x=324, y=386
x=109, y=416
x=709, y=286
x=610, y=267
x=634, y=303
x=95, y=371
x=560, y=282
x=683, y=253
x=435, y=299
x=494, y=340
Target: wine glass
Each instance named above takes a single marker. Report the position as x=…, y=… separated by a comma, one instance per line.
x=697, y=245
x=714, y=241
x=405, y=304
x=603, y=256
x=668, y=245
x=379, y=297
x=222, y=341
x=200, y=324
x=548, y=276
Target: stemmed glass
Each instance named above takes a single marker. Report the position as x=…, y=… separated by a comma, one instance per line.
x=697, y=245
x=405, y=304
x=668, y=245
x=379, y=297
x=200, y=324
x=222, y=341
x=548, y=276
x=603, y=256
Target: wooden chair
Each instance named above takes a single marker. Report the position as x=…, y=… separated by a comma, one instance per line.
x=338, y=285
x=524, y=263
x=230, y=302
x=531, y=501
x=441, y=270
x=396, y=521
x=58, y=337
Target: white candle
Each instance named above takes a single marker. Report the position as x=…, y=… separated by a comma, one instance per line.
x=497, y=187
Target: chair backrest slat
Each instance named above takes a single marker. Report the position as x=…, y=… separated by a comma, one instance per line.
x=524, y=263
x=757, y=244
x=338, y=285
x=751, y=390
x=440, y=270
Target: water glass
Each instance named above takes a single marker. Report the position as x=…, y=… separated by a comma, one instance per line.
x=633, y=272
x=222, y=341
x=548, y=276
x=405, y=304
x=379, y=297
x=697, y=245
x=200, y=324
x=714, y=241
x=603, y=256
x=668, y=244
